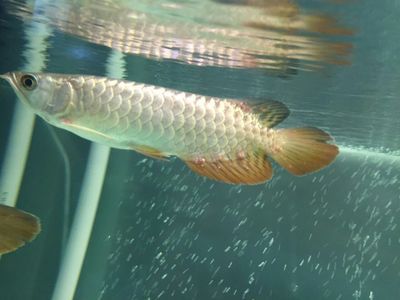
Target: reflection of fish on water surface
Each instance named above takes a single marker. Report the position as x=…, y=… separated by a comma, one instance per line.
x=223, y=139
x=17, y=227
x=277, y=36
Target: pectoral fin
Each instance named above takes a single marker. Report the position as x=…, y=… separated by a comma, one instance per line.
x=88, y=133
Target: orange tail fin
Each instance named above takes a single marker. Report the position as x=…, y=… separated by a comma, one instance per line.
x=16, y=228
x=303, y=150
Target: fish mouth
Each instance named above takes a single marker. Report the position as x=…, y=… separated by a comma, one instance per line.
x=6, y=76
x=10, y=77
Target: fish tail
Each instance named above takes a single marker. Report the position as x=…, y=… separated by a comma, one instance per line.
x=303, y=150
x=16, y=228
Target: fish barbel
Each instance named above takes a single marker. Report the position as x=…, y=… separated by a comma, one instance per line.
x=16, y=228
x=224, y=139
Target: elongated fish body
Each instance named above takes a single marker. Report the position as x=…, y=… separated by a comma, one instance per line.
x=223, y=139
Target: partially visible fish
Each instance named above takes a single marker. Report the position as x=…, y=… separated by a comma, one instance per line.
x=17, y=227
x=223, y=139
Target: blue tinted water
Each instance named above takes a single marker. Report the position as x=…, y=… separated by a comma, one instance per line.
x=162, y=232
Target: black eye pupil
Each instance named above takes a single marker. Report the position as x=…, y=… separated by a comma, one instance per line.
x=28, y=81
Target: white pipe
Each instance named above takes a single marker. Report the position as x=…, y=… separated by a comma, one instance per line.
x=83, y=222
x=87, y=206
x=16, y=154
x=23, y=120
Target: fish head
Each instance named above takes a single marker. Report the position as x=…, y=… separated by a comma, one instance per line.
x=48, y=96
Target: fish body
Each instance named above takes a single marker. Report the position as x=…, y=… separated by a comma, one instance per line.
x=223, y=139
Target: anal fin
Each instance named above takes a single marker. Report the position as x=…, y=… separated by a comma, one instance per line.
x=252, y=169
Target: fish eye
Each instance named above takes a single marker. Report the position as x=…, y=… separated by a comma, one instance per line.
x=29, y=82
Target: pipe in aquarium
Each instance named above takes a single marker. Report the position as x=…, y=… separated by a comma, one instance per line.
x=23, y=119
x=87, y=206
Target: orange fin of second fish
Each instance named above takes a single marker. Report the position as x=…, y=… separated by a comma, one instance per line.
x=151, y=152
x=16, y=228
x=252, y=169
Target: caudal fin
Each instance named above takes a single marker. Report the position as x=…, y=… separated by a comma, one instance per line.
x=16, y=228
x=303, y=150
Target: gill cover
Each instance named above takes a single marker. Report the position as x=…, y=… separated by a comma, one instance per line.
x=48, y=96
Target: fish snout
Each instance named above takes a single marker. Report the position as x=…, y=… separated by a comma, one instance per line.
x=9, y=77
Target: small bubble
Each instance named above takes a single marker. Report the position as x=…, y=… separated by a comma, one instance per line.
x=294, y=287
x=251, y=278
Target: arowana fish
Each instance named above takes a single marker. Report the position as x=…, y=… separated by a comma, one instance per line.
x=223, y=139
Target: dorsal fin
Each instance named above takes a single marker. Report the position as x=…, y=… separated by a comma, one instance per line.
x=270, y=112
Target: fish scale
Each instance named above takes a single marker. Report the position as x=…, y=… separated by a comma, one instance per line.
x=222, y=139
